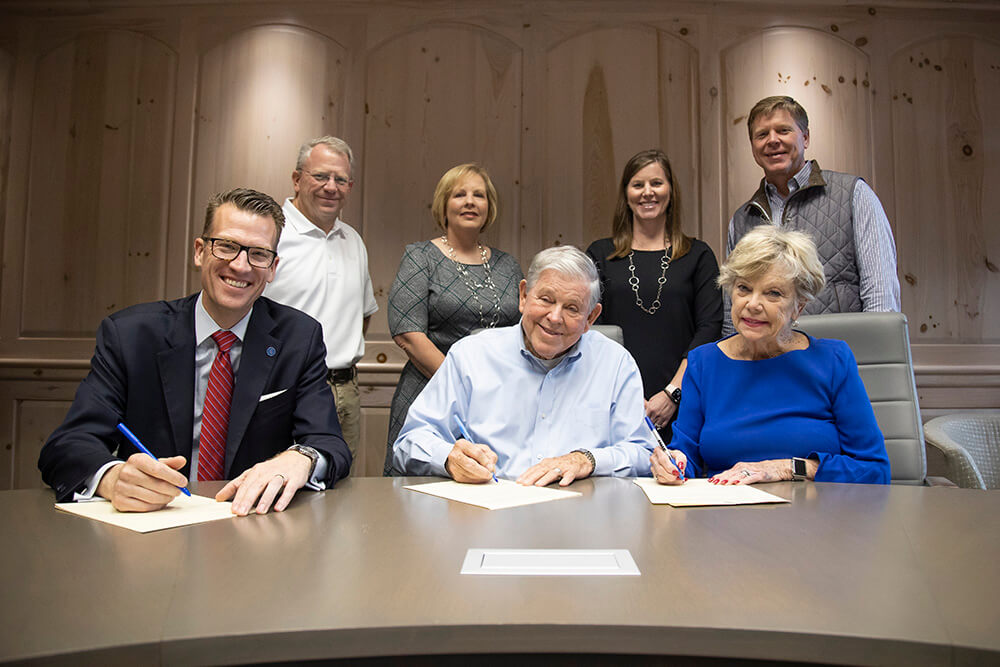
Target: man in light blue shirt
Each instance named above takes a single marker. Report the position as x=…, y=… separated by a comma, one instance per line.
x=543, y=400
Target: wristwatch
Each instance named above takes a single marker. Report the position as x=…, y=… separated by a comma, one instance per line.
x=799, y=469
x=590, y=457
x=305, y=450
x=673, y=393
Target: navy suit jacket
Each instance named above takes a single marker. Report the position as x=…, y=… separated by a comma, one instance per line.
x=142, y=374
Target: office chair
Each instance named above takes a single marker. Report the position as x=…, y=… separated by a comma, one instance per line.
x=612, y=331
x=970, y=442
x=881, y=345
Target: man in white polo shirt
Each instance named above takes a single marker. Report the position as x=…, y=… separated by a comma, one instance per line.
x=324, y=269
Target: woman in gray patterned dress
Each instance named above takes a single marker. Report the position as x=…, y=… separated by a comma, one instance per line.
x=448, y=286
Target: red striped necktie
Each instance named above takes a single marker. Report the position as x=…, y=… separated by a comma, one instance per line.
x=215, y=415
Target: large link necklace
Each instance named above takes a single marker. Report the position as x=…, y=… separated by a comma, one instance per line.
x=634, y=281
x=474, y=285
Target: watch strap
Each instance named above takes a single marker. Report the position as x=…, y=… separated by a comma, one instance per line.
x=590, y=457
x=309, y=452
x=799, y=470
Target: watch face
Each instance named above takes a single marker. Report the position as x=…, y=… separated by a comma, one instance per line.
x=799, y=467
x=676, y=396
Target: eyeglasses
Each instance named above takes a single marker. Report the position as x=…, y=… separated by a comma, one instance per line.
x=323, y=179
x=224, y=249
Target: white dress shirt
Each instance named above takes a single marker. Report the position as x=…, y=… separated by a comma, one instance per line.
x=326, y=276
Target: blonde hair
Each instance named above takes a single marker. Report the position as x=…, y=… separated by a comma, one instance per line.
x=447, y=185
x=766, y=247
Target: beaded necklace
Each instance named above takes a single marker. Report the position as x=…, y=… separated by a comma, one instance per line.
x=474, y=285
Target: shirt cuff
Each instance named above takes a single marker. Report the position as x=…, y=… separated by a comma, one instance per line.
x=317, y=482
x=604, y=462
x=92, y=482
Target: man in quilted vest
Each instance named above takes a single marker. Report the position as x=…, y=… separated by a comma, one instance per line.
x=840, y=211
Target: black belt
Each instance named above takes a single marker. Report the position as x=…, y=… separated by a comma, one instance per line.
x=342, y=375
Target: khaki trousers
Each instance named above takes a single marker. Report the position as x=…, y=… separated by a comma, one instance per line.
x=348, y=399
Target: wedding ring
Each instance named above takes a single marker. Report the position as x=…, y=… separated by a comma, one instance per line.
x=557, y=470
x=746, y=473
x=284, y=480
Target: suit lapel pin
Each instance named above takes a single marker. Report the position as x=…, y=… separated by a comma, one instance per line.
x=271, y=351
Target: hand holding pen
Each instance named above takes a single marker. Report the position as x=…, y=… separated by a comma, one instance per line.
x=143, y=483
x=656, y=460
x=469, y=462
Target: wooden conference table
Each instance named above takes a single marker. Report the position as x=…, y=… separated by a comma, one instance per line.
x=845, y=574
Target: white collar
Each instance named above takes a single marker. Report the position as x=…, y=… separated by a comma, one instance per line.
x=205, y=326
x=300, y=224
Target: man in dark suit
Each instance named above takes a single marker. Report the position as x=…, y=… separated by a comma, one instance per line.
x=154, y=365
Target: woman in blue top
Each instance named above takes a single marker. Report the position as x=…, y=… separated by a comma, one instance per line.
x=770, y=403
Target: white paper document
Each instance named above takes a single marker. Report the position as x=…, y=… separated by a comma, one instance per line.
x=700, y=493
x=492, y=495
x=550, y=562
x=182, y=511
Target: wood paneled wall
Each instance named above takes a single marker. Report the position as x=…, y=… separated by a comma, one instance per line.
x=118, y=120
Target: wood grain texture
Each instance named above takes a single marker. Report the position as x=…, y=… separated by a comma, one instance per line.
x=947, y=151
x=599, y=192
x=97, y=188
x=826, y=75
x=437, y=96
x=262, y=92
x=610, y=93
x=30, y=409
x=6, y=104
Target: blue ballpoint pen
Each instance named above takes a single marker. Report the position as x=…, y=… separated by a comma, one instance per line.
x=663, y=446
x=465, y=434
x=141, y=447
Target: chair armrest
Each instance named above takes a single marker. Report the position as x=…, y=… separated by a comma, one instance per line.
x=961, y=466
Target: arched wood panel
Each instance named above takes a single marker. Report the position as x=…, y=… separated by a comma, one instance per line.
x=947, y=155
x=102, y=113
x=826, y=75
x=6, y=104
x=437, y=96
x=261, y=93
x=609, y=94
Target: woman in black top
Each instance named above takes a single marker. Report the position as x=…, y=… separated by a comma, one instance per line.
x=657, y=284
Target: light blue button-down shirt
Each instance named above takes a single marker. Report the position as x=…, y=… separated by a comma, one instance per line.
x=592, y=399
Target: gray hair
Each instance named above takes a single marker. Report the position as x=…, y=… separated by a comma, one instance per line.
x=767, y=246
x=333, y=143
x=571, y=262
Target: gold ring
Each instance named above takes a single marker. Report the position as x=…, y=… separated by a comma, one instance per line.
x=284, y=480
